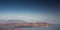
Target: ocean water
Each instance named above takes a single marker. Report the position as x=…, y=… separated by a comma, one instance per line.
x=37, y=29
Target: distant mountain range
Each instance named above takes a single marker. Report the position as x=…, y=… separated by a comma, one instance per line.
x=10, y=21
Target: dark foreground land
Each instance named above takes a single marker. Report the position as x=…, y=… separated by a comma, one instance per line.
x=54, y=27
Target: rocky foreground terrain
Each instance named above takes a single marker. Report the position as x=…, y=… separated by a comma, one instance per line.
x=21, y=25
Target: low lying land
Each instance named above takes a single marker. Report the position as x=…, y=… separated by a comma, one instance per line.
x=20, y=25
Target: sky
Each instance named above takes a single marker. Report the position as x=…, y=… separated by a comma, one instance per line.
x=30, y=10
